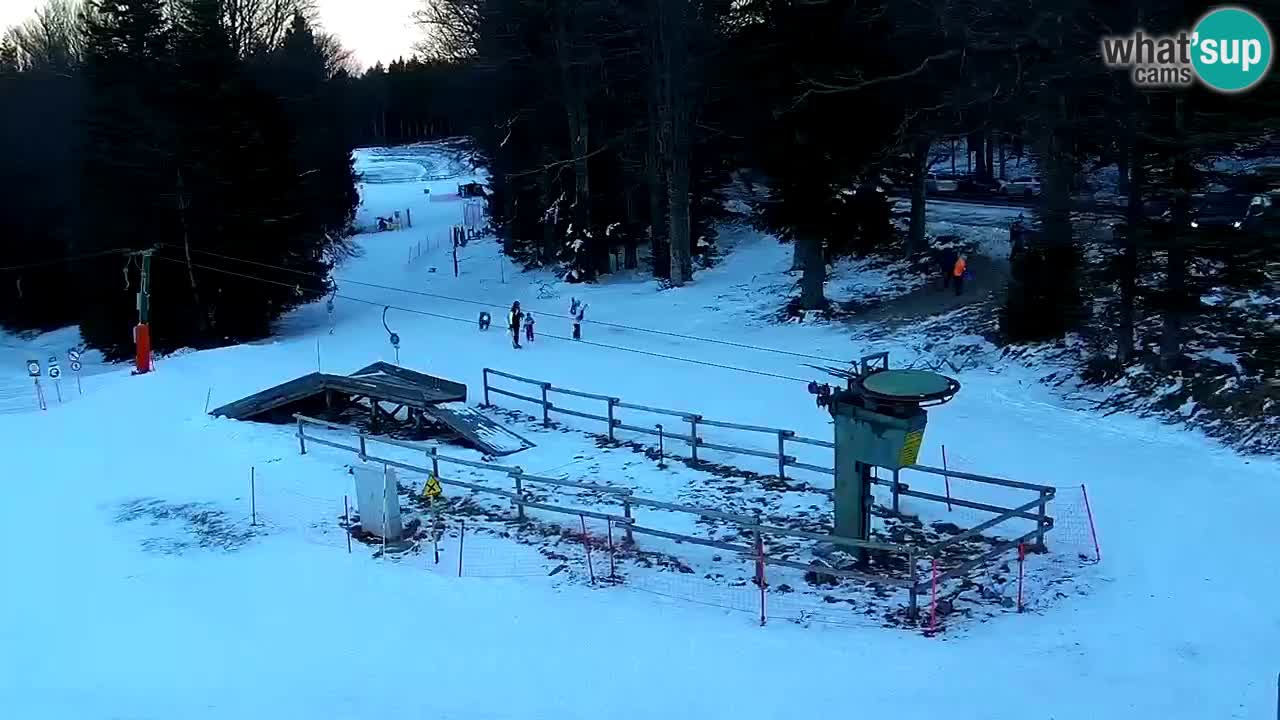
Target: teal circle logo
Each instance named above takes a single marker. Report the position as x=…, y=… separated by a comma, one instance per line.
x=1231, y=49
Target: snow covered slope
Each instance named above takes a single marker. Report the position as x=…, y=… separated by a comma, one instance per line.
x=137, y=587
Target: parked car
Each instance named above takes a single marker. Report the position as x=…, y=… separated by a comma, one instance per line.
x=935, y=183
x=978, y=186
x=1026, y=186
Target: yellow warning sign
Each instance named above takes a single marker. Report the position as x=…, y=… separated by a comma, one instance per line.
x=911, y=448
x=432, y=489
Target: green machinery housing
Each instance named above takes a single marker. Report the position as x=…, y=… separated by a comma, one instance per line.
x=880, y=419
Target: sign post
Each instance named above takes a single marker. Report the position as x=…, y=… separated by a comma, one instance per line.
x=33, y=371
x=55, y=373
x=73, y=357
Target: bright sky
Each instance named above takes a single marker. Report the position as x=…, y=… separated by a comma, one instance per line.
x=372, y=29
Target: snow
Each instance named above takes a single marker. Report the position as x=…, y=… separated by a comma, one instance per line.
x=182, y=608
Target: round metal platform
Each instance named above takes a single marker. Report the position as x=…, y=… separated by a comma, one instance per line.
x=909, y=386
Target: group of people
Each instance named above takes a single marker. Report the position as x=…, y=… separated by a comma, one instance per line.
x=518, y=319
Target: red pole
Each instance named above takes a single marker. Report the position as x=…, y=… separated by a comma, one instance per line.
x=1092, y=530
x=587, y=545
x=946, y=478
x=461, y=534
x=933, y=599
x=1022, y=555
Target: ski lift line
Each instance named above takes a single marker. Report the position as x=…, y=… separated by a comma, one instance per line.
x=437, y=296
x=68, y=259
x=425, y=313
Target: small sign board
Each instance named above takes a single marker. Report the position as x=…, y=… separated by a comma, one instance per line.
x=33, y=368
x=432, y=489
x=75, y=365
x=55, y=372
x=73, y=355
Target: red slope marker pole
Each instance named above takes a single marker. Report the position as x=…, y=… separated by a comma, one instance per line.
x=1092, y=530
x=945, y=477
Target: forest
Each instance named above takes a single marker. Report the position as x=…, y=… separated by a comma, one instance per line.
x=613, y=129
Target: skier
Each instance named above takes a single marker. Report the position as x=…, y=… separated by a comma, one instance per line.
x=948, y=266
x=958, y=273
x=513, y=324
x=528, y=327
x=576, y=310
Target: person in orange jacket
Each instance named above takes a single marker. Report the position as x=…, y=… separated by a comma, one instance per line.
x=957, y=273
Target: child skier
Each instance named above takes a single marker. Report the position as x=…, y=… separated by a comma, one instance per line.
x=576, y=310
x=528, y=327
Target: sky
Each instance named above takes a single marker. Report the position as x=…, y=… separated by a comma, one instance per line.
x=374, y=30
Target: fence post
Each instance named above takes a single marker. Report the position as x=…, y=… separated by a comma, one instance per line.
x=933, y=599
x=346, y=518
x=759, y=548
x=782, y=455
x=913, y=609
x=612, y=402
x=1041, y=520
x=302, y=438
x=253, y=496
x=1097, y=549
x=363, y=452
x=485, y=374
x=895, y=492
x=586, y=543
x=613, y=570
x=693, y=435
x=946, y=478
x=1022, y=556
x=462, y=534
x=626, y=513
x=661, y=450
x=520, y=494
x=546, y=407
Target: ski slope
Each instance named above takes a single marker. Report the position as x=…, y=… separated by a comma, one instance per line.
x=137, y=587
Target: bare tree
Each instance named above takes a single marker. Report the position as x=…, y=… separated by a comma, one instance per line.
x=450, y=28
x=51, y=39
x=258, y=25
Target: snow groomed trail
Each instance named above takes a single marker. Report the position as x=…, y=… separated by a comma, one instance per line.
x=114, y=607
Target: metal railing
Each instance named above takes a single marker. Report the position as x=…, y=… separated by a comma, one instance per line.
x=1034, y=510
x=692, y=439
x=628, y=501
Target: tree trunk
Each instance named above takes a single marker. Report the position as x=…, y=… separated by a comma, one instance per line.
x=991, y=155
x=1122, y=169
x=1177, y=302
x=917, y=241
x=546, y=192
x=654, y=157
x=980, y=155
x=1002, y=175
x=1131, y=163
x=1128, y=266
x=814, y=276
